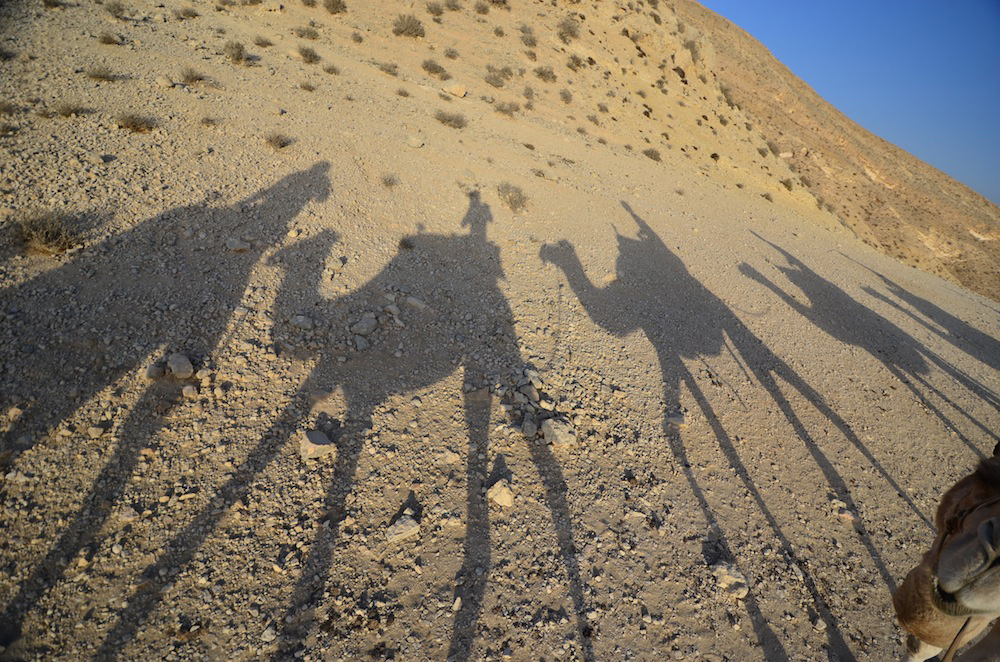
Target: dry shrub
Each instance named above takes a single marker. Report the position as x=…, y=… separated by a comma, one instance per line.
x=388, y=68
x=235, y=52
x=574, y=63
x=47, y=233
x=309, y=3
x=136, y=123
x=307, y=86
x=335, y=6
x=100, y=73
x=332, y=69
x=768, y=197
x=308, y=55
x=306, y=32
x=568, y=29
x=278, y=140
x=186, y=12
x=512, y=196
x=117, y=9
x=7, y=108
x=652, y=153
x=435, y=9
x=263, y=42
x=190, y=76
x=451, y=53
x=408, y=25
x=787, y=183
x=507, y=108
x=7, y=129
x=403, y=92
x=566, y=95
x=109, y=39
x=71, y=110
x=356, y=38
x=435, y=69
x=454, y=120
x=51, y=4
x=390, y=180
x=482, y=8
x=452, y=5
x=546, y=74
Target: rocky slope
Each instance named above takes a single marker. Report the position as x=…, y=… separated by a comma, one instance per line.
x=506, y=340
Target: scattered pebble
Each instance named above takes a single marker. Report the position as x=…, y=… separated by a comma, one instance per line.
x=402, y=529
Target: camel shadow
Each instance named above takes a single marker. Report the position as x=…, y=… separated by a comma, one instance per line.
x=434, y=309
x=653, y=292
x=97, y=319
x=836, y=313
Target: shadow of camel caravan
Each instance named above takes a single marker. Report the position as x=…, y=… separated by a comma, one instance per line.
x=456, y=319
x=96, y=320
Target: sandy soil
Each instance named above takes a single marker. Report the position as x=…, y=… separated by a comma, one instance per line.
x=652, y=414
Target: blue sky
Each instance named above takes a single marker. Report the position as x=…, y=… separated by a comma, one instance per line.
x=923, y=74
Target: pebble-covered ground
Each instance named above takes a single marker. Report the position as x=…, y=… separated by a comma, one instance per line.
x=392, y=389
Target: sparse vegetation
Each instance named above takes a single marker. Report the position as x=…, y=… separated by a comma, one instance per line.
x=235, y=52
x=390, y=68
x=356, y=38
x=568, y=29
x=7, y=108
x=481, y=8
x=335, y=6
x=452, y=5
x=71, y=110
x=47, y=233
x=109, y=39
x=185, y=13
x=51, y=4
x=513, y=197
x=308, y=55
x=498, y=31
x=768, y=197
x=332, y=69
x=574, y=63
x=566, y=95
x=507, y=108
x=263, y=42
x=100, y=73
x=136, y=123
x=773, y=147
x=435, y=9
x=408, y=25
x=528, y=36
x=309, y=3
x=403, y=92
x=390, y=180
x=546, y=74
x=306, y=32
x=652, y=153
x=763, y=151
x=451, y=53
x=435, y=69
x=117, y=9
x=209, y=121
x=787, y=183
x=7, y=129
x=190, y=76
x=454, y=120
x=307, y=86
x=278, y=140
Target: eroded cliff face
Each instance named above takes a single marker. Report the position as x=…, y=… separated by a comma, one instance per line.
x=892, y=200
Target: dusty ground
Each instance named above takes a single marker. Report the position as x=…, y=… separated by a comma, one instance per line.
x=751, y=413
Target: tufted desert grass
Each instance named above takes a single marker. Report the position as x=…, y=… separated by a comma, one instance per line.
x=101, y=73
x=135, y=123
x=308, y=55
x=454, y=120
x=278, y=141
x=335, y=6
x=512, y=196
x=408, y=25
x=46, y=233
x=235, y=52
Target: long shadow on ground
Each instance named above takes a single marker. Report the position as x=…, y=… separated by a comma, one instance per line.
x=654, y=293
x=86, y=325
x=467, y=326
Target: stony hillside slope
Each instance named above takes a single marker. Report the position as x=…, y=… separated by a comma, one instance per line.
x=502, y=337
x=892, y=200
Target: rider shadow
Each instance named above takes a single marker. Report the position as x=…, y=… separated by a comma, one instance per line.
x=836, y=313
x=121, y=314
x=653, y=292
x=438, y=299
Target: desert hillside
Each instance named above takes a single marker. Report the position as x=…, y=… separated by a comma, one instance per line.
x=465, y=330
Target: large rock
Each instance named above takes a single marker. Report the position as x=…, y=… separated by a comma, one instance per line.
x=558, y=433
x=501, y=494
x=365, y=325
x=315, y=444
x=180, y=366
x=402, y=529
